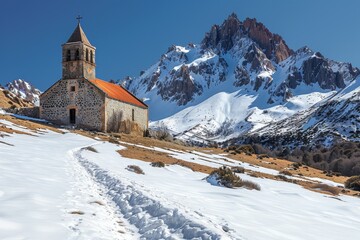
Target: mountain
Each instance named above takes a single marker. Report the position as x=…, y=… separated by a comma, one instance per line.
x=238, y=80
x=24, y=90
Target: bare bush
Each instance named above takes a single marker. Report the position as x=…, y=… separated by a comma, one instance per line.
x=238, y=169
x=326, y=188
x=227, y=178
x=135, y=169
x=286, y=172
x=353, y=183
x=157, y=164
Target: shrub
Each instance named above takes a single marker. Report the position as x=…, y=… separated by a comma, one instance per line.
x=251, y=185
x=224, y=176
x=353, y=183
x=157, y=164
x=238, y=169
x=326, y=188
x=113, y=140
x=286, y=172
x=135, y=169
x=282, y=177
x=92, y=149
x=262, y=156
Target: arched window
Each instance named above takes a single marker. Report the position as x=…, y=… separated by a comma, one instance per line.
x=91, y=56
x=133, y=115
x=68, y=55
x=77, y=55
x=87, y=54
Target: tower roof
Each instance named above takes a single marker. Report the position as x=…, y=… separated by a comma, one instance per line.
x=78, y=36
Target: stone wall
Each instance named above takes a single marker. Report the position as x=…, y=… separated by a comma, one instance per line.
x=33, y=112
x=118, y=112
x=55, y=104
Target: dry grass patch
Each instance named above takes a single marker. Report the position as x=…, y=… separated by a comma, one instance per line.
x=326, y=188
x=283, y=165
x=148, y=155
x=5, y=129
x=34, y=126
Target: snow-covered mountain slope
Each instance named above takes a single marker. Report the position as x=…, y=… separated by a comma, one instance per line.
x=240, y=78
x=79, y=193
x=24, y=90
x=332, y=120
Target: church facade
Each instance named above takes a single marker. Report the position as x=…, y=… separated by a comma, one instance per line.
x=80, y=99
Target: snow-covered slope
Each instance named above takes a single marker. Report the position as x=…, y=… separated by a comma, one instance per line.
x=239, y=79
x=24, y=90
x=56, y=188
x=331, y=120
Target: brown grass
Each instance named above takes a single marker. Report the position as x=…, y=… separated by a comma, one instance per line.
x=283, y=165
x=5, y=129
x=326, y=188
x=7, y=102
x=148, y=155
x=34, y=126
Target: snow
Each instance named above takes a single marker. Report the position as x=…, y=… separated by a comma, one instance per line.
x=45, y=177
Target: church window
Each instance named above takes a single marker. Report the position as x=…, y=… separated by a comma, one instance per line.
x=87, y=54
x=72, y=88
x=77, y=55
x=133, y=115
x=68, y=55
x=91, y=57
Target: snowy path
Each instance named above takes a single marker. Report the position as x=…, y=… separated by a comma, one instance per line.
x=153, y=220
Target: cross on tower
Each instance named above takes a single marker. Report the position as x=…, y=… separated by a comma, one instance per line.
x=79, y=18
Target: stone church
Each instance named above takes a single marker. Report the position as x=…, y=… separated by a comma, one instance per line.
x=80, y=99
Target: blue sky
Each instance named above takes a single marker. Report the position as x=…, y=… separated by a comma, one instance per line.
x=131, y=35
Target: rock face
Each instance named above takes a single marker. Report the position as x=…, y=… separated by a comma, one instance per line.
x=24, y=90
x=239, y=67
x=224, y=37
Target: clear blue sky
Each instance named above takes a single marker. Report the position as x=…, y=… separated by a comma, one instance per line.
x=130, y=35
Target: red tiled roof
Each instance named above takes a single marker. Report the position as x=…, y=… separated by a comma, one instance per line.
x=117, y=92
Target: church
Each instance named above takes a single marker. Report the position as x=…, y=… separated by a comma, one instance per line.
x=81, y=100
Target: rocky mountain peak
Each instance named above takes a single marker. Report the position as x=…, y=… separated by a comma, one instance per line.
x=273, y=44
x=224, y=37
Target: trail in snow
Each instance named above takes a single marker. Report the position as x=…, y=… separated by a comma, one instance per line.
x=153, y=220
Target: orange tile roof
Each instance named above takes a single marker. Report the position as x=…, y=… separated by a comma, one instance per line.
x=117, y=92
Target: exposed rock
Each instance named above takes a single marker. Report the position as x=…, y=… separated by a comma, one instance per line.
x=257, y=60
x=181, y=88
x=24, y=90
x=273, y=44
x=242, y=77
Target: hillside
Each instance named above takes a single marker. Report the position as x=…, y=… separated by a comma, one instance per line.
x=84, y=189
x=10, y=100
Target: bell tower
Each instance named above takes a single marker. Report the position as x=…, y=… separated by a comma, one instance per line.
x=78, y=56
